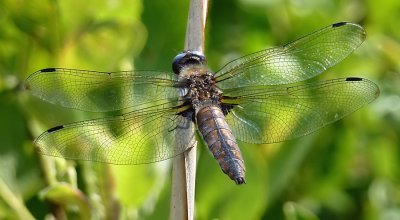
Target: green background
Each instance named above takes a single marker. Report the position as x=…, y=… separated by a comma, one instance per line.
x=347, y=170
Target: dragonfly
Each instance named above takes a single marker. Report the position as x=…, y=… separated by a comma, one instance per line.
x=264, y=97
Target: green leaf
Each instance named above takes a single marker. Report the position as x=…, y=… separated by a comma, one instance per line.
x=65, y=195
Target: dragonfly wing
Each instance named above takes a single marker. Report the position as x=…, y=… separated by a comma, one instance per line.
x=268, y=114
x=135, y=138
x=296, y=61
x=102, y=91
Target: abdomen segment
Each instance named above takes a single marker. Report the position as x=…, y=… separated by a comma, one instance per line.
x=221, y=142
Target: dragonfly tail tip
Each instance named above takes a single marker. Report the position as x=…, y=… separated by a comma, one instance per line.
x=240, y=180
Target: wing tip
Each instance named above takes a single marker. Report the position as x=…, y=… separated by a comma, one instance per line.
x=372, y=84
x=357, y=26
x=31, y=78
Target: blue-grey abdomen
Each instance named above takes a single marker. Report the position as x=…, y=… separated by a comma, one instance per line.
x=221, y=142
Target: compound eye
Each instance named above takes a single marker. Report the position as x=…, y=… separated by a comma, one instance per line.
x=177, y=62
x=187, y=58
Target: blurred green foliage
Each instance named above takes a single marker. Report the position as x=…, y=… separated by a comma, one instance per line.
x=348, y=170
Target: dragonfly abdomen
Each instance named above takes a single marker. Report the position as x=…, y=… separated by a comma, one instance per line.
x=221, y=142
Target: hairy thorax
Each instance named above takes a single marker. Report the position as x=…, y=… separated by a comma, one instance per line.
x=201, y=88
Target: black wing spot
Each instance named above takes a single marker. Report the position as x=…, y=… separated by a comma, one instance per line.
x=47, y=70
x=339, y=24
x=353, y=79
x=55, y=129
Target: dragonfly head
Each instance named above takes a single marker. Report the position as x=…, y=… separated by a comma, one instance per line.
x=187, y=58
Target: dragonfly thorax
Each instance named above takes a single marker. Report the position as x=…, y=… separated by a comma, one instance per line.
x=201, y=88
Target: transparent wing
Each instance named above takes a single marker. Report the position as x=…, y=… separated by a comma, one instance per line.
x=138, y=137
x=102, y=91
x=268, y=114
x=294, y=62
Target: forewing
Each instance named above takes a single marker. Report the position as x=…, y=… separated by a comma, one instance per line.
x=294, y=62
x=268, y=114
x=135, y=138
x=102, y=91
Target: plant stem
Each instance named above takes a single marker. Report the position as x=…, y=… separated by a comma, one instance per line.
x=14, y=202
x=184, y=166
